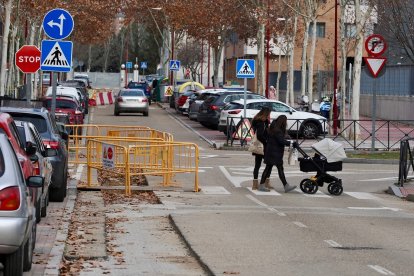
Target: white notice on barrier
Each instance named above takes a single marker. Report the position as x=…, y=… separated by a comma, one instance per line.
x=108, y=156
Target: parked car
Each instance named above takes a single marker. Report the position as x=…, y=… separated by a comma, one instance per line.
x=143, y=86
x=131, y=100
x=183, y=102
x=46, y=126
x=210, y=109
x=306, y=124
x=84, y=77
x=195, y=102
x=64, y=91
x=41, y=163
x=17, y=212
x=81, y=86
x=68, y=106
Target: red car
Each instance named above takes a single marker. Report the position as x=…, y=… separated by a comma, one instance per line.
x=8, y=127
x=66, y=105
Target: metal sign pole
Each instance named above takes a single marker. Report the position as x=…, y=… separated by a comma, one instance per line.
x=28, y=88
x=54, y=88
x=245, y=97
x=374, y=114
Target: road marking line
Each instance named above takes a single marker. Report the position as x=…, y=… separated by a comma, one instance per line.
x=215, y=190
x=271, y=209
x=381, y=270
x=332, y=243
x=375, y=208
x=299, y=224
x=317, y=194
x=362, y=195
x=79, y=171
x=378, y=179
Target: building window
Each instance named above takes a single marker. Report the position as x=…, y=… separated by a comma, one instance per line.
x=350, y=30
x=320, y=29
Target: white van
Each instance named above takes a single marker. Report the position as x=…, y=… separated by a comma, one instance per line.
x=65, y=91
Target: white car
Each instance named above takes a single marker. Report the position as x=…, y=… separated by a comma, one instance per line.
x=64, y=90
x=306, y=124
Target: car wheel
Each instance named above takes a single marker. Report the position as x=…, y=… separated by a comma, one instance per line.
x=145, y=114
x=310, y=130
x=38, y=210
x=28, y=250
x=13, y=263
x=59, y=194
x=43, y=211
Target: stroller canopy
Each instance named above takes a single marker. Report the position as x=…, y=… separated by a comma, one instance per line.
x=333, y=151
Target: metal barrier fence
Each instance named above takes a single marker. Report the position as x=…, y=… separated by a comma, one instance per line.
x=80, y=134
x=406, y=161
x=353, y=134
x=140, y=158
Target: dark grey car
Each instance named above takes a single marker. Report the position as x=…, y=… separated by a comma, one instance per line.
x=210, y=109
x=51, y=137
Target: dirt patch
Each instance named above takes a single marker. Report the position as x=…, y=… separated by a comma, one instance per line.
x=136, y=197
x=117, y=177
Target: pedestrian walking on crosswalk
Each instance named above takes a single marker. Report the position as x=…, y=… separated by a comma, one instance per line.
x=273, y=155
x=260, y=124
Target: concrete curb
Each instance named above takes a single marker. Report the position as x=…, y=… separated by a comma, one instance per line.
x=193, y=253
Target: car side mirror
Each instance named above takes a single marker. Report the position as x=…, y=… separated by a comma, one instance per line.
x=30, y=149
x=35, y=181
x=50, y=152
x=34, y=158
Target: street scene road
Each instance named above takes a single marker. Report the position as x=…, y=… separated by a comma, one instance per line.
x=227, y=228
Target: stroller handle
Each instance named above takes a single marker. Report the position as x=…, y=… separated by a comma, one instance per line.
x=304, y=154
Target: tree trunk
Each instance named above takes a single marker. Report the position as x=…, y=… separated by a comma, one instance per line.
x=217, y=51
x=311, y=61
x=304, y=58
x=279, y=75
x=260, y=67
x=89, y=58
x=107, y=48
x=13, y=76
x=6, y=30
x=343, y=60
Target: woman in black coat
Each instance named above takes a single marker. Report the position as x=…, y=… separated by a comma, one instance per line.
x=260, y=124
x=275, y=149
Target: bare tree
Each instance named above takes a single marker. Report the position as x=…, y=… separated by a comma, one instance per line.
x=190, y=55
x=7, y=10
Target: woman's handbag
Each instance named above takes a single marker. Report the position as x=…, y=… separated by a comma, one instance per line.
x=293, y=156
x=256, y=146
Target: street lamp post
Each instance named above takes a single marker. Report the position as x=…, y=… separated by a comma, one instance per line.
x=335, y=104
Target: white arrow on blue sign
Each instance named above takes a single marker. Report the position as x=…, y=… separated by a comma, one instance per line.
x=56, y=56
x=245, y=68
x=58, y=24
x=174, y=65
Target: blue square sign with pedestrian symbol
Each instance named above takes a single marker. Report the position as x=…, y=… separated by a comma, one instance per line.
x=174, y=65
x=56, y=56
x=144, y=65
x=245, y=68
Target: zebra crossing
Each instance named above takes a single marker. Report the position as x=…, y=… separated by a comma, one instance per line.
x=220, y=190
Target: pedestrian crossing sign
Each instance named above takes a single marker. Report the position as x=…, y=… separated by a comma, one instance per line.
x=174, y=65
x=56, y=56
x=245, y=68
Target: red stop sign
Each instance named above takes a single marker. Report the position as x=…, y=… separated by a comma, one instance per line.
x=27, y=58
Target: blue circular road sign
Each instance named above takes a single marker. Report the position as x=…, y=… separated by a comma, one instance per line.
x=58, y=24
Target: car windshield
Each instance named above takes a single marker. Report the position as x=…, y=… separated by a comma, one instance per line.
x=39, y=122
x=231, y=106
x=61, y=104
x=211, y=99
x=132, y=93
x=136, y=85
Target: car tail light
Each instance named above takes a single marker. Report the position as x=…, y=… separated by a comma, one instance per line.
x=9, y=199
x=36, y=168
x=182, y=99
x=51, y=144
x=237, y=111
x=119, y=100
x=145, y=100
x=214, y=107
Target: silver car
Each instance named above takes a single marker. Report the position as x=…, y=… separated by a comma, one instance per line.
x=131, y=101
x=41, y=164
x=17, y=212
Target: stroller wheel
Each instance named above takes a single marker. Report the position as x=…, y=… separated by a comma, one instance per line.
x=308, y=186
x=335, y=189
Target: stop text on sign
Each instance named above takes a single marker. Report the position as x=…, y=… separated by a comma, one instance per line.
x=29, y=59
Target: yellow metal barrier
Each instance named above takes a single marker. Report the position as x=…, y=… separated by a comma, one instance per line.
x=80, y=134
x=142, y=158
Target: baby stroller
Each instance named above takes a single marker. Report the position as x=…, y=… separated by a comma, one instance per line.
x=328, y=157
